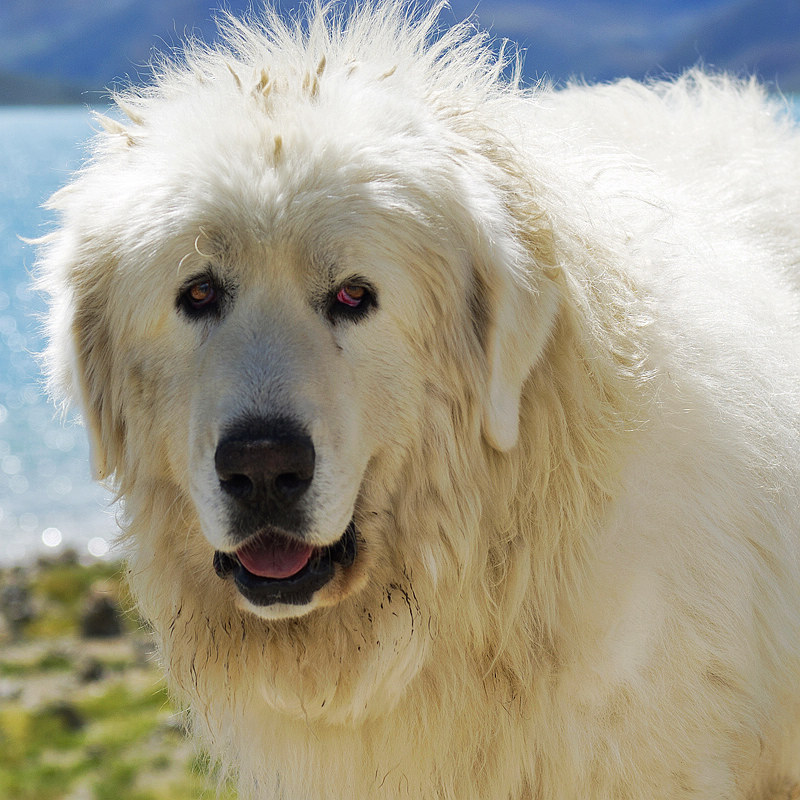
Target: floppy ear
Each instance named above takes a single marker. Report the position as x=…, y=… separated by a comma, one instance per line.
x=92, y=387
x=79, y=355
x=521, y=311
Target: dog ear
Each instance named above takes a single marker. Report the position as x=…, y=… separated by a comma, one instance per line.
x=79, y=356
x=519, y=312
x=92, y=388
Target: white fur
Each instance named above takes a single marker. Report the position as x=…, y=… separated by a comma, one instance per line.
x=569, y=433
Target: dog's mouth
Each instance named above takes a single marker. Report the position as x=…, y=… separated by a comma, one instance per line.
x=272, y=567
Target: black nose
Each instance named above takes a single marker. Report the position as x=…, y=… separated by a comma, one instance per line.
x=264, y=469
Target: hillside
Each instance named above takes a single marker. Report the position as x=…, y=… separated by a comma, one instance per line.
x=53, y=52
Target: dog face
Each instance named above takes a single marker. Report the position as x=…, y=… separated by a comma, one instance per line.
x=269, y=320
x=301, y=373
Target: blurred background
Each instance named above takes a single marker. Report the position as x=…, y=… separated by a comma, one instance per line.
x=83, y=711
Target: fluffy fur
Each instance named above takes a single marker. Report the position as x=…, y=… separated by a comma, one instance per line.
x=569, y=433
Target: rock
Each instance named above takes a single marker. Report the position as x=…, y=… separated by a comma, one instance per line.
x=16, y=604
x=91, y=670
x=67, y=714
x=101, y=617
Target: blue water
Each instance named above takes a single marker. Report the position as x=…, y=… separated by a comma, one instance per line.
x=47, y=499
x=46, y=493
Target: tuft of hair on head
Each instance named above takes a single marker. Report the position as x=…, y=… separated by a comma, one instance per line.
x=263, y=87
x=233, y=72
x=114, y=128
x=310, y=84
x=388, y=74
x=132, y=115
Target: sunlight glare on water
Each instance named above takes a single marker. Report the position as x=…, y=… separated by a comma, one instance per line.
x=47, y=498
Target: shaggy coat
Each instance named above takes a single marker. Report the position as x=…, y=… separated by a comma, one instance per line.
x=567, y=432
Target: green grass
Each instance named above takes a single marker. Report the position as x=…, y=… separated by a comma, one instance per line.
x=112, y=739
x=122, y=742
x=49, y=662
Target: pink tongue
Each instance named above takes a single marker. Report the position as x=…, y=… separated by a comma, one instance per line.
x=274, y=557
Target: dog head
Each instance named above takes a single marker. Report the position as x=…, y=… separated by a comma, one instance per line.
x=276, y=288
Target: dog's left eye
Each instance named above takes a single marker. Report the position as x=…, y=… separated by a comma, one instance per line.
x=200, y=297
x=351, y=296
x=351, y=301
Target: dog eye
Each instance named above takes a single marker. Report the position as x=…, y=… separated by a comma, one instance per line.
x=351, y=296
x=200, y=297
x=351, y=301
x=201, y=294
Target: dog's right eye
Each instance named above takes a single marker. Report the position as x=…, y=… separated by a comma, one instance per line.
x=200, y=297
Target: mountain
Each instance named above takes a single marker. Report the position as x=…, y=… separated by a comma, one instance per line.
x=94, y=45
x=63, y=50
x=758, y=36
x=23, y=89
x=595, y=40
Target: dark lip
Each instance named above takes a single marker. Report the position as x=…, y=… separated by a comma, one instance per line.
x=298, y=589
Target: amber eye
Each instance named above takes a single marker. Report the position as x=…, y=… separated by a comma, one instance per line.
x=351, y=301
x=200, y=297
x=201, y=294
x=351, y=296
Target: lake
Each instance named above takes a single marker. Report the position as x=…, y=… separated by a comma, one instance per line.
x=47, y=499
x=46, y=493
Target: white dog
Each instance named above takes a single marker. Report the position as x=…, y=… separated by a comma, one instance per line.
x=457, y=425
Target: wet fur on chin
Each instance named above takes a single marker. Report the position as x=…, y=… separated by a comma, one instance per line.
x=581, y=572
